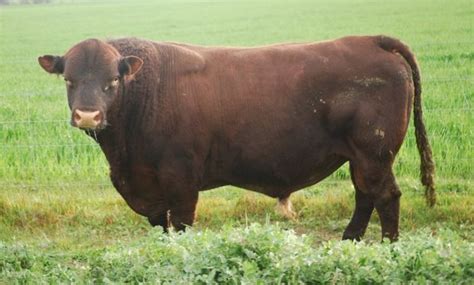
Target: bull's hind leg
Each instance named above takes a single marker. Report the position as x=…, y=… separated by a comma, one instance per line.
x=387, y=204
x=375, y=186
x=364, y=206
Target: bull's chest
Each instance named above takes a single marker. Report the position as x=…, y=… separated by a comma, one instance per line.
x=139, y=187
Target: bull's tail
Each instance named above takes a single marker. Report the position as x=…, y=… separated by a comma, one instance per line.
x=424, y=148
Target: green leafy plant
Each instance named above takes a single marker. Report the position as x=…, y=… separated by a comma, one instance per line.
x=256, y=254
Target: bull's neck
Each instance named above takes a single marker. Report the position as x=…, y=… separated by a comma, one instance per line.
x=144, y=116
x=129, y=122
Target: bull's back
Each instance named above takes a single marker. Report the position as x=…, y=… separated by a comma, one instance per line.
x=300, y=89
x=290, y=80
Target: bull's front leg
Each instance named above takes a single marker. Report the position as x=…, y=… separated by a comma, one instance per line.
x=183, y=210
x=161, y=219
x=181, y=213
x=179, y=180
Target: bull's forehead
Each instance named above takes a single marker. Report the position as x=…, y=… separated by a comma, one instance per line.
x=91, y=58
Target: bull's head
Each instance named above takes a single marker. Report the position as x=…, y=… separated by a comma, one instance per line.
x=94, y=71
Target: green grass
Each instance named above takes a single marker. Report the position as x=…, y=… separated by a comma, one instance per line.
x=59, y=211
x=59, y=219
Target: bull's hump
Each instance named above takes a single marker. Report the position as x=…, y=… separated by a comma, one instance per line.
x=187, y=60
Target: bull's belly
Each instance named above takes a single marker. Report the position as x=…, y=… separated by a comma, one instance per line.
x=280, y=180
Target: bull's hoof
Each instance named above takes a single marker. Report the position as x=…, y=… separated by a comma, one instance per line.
x=351, y=237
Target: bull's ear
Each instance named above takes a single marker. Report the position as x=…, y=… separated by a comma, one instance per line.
x=52, y=63
x=130, y=65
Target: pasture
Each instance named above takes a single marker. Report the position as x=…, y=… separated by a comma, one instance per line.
x=61, y=220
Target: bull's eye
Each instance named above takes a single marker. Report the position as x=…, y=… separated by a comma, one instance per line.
x=113, y=83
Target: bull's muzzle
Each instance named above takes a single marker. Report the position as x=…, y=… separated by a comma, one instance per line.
x=87, y=119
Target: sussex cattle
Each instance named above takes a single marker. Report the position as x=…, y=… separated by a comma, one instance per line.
x=175, y=119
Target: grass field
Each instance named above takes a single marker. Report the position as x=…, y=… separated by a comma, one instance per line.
x=54, y=192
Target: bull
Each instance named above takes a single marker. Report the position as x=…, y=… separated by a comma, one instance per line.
x=175, y=119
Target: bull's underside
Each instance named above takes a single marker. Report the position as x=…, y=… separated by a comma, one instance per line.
x=272, y=119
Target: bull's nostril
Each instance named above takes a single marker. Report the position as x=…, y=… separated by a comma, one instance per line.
x=98, y=117
x=77, y=117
